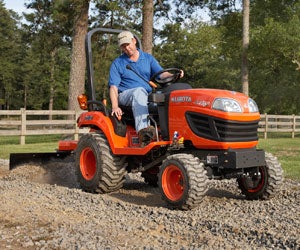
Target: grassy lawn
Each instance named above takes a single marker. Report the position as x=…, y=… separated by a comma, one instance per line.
x=37, y=143
x=287, y=150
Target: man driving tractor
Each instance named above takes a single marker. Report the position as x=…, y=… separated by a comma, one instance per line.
x=131, y=87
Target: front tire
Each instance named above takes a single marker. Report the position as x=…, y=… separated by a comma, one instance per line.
x=98, y=170
x=183, y=181
x=271, y=178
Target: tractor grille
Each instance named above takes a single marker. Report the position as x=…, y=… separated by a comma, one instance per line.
x=222, y=130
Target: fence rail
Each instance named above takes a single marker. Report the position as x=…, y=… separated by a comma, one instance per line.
x=43, y=122
x=279, y=123
x=38, y=122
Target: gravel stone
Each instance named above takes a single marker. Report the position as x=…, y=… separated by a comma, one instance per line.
x=42, y=207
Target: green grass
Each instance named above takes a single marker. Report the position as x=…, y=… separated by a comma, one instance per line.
x=28, y=148
x=36, y=144
x=4, y=140
x=287, y=150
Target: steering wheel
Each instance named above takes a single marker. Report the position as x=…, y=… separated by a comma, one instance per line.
x=166, y=76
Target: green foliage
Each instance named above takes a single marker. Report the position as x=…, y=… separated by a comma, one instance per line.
x=118, y=14
x=9, y=51
x=199, y=50
x=273, y=75
x=278, y=10
x=35, y=56
x=273, y=53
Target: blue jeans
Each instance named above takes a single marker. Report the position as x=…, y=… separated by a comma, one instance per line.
x=137, y=98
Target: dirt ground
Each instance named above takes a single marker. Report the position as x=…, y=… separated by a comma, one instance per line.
x=42, y=207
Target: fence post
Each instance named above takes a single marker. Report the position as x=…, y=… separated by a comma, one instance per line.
x=294, y=126
x=23, y=126
x=266, y=126
x=76, y=135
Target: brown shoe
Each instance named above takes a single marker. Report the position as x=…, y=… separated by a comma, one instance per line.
x=146, y=135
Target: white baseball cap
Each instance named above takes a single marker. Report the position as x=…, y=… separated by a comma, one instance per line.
x=125, y=37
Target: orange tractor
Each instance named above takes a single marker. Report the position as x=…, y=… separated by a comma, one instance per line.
x=201, y=134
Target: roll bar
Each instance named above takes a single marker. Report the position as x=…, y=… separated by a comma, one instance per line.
x=89, y=57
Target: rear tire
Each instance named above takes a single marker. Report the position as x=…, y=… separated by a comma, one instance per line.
x=97, y=169
x=183, y=181
x=269, y=184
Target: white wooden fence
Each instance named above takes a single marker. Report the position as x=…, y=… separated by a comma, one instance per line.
x=43, y=122
x=38, y=122
x=279, y=123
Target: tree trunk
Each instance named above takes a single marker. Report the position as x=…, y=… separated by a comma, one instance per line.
x=25, y=96
x=147, y=31
x=78, y=61
x=245, y=73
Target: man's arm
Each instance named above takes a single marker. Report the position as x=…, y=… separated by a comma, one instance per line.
x=113, y=93
x=155, y=67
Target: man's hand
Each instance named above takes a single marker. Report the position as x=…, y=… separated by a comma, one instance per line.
x=181, y=73
x=167, y=74
x=117, y=112
x=113, y=92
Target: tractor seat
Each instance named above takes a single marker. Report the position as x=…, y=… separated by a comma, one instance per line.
x=154, y=99
x=128, y=114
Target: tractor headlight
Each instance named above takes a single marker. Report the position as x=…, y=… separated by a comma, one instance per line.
x=227, y=105
x=252, y=106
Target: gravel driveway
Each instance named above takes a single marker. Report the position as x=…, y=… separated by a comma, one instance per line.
x=43, y=208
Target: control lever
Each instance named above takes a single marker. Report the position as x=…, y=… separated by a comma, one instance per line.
x=152, y=84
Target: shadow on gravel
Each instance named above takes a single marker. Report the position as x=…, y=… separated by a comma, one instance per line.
x=139, y=193
x=221, y=193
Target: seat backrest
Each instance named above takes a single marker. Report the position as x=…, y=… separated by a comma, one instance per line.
x=175, y=86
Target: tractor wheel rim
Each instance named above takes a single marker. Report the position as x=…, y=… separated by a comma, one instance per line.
x=173, y=183
x=260, y=184
x=88, y=163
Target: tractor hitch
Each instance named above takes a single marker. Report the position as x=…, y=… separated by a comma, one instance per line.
x=252, y=178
